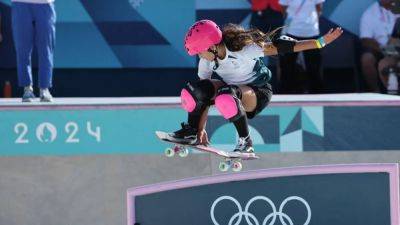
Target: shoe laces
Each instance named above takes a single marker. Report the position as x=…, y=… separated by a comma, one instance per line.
x=184, y=128
x=241, y=143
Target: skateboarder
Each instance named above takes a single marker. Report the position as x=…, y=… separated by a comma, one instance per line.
x=234, y=54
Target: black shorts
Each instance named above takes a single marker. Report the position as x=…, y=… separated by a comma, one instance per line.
x=263, y=94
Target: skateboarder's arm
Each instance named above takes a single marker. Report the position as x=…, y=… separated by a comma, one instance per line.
x=203, y=120
x=272, y=48
x=202, y=134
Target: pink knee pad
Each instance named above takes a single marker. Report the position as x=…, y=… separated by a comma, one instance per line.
x=187, y=101
x=226, y=105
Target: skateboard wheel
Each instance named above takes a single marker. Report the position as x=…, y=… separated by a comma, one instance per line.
x=169, y=152
x=237, y=166
x=223, y=166
x=184, y=152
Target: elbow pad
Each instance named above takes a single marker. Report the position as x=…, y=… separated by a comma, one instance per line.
x=284, y=44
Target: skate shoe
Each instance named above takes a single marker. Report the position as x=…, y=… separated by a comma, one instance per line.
x=244, y=145
x=186, y=135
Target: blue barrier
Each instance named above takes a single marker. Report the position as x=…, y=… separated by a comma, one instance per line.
x=128, y=126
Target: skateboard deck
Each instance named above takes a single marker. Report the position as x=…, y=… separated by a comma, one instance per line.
x=231, y=159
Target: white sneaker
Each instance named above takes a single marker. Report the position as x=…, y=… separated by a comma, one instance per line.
x=45, y=95
x=28, y=94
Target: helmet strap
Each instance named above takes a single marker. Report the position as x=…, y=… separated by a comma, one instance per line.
x=215, y=53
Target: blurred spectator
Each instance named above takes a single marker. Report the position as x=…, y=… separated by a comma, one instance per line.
x=301, y=22
x=388, y=67
x=266, y=15
x=33, y=24
x=376, y=27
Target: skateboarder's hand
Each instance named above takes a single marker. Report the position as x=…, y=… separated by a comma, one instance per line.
x=203, y=137
x=333, y=34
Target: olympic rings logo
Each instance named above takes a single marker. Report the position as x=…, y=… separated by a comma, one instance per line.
x=269, y=219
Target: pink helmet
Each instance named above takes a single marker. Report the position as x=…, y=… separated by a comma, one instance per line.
x=201, y=36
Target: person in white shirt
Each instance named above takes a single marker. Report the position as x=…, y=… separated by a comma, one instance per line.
x=301, y=23
x=376, y=26
x=243, y=91
x=33, y=24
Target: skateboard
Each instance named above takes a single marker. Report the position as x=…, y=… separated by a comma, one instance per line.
x=230, y=159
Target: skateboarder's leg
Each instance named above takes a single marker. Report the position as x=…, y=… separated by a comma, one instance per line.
x=229, y=104
x=195, y=99
x=254, y=100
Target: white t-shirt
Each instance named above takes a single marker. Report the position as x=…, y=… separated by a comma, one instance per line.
x=35, y=1
x=302, y=17
x=377, y=23
x=236, y=68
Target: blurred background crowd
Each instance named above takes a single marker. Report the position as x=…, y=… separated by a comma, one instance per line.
x=82, y=48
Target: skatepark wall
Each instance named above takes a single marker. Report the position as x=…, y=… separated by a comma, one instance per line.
x=87, y=126
x=73, y=161
x=329, y=195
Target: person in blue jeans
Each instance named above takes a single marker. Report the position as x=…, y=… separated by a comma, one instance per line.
x=33, y=24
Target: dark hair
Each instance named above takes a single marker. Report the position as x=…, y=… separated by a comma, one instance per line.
x=236, y=37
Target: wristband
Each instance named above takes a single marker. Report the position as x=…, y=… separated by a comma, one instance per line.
x=318, y=44
x=321, y=42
